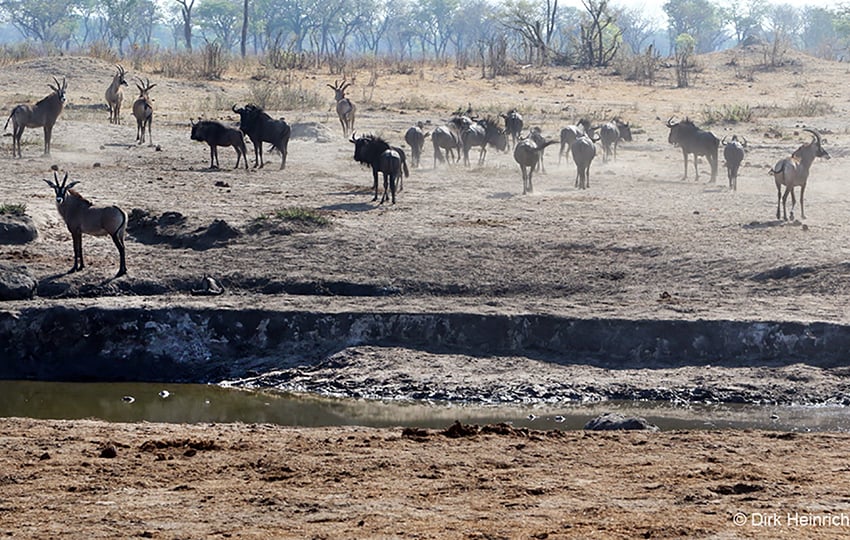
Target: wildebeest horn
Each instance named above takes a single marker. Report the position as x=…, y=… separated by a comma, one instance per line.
x=352, y=137
x=670, y=122
x=723, y=141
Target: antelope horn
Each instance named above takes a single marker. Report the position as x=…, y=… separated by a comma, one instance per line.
x=66, y=179
x=815, y=133
x=745, y=141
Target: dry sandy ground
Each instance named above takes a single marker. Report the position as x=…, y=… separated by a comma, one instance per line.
x=88, y=479
x=640, y=243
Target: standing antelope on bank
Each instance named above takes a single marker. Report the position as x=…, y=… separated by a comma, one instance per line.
x=143, y=111
x=44, y=113
x=81, y=216
x=794, y=171
x=115, y=95
x=345, y=108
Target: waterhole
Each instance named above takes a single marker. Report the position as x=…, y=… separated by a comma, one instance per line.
x=196, y=403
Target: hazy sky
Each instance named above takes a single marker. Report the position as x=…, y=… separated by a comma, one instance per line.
x=654, y=9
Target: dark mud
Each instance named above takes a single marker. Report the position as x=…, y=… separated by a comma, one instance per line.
x=458, y=357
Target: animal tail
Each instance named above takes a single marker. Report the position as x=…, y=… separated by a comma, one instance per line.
x=10, y=118
x=404, y=168
x=122, y=229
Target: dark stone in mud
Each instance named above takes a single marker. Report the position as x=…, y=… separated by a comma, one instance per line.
x=17, y=282
x=617, y=422
x=17, y=229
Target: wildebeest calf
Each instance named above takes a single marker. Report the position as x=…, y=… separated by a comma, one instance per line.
x=216, y=134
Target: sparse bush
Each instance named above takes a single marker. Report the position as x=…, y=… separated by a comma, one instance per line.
x=299, y=214
x=642, y=68
x=685, y=45
x=807, y=106
x=282, y=95
x=727, y=113
x=13, y=209
x=214, y=62
x=103, y=51
x=532, y=76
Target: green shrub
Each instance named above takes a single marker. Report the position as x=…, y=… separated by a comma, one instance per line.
x=13, y=209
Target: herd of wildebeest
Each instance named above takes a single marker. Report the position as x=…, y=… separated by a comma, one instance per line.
x=451, y=141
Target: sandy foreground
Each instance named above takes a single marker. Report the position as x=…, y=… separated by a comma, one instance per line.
x=91, y=479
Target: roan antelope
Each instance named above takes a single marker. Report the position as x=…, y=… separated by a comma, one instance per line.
x=115, y=95
x=143, y=111
x=345, y=108
x=794, y=171
x=43, y=113
x=81, y=216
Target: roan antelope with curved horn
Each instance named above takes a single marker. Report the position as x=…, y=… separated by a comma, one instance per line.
x=143, y=111
x=115, y=95
x=43, y=113
x=794, y=171
x=345, y=108
x=81, y=216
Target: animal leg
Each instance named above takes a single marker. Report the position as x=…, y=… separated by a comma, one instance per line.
x=212, y=153
x=150, y=131
x=788, y=190
x=119, y=243
x=48, y=130
x=793, y=203
x=77, y=237
x=802, y=210
x=375, y=184
x=685, y=155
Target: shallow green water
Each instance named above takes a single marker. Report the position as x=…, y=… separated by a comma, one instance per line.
x=135, y=402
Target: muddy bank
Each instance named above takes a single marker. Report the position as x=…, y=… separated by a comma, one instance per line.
x=445, y=356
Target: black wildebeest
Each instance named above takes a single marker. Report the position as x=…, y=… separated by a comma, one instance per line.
x=444, y=138
x=794, y=171
x=527, y=154
x=415, y=138
x=483, y=133
x=733, y=153
x=217, y=134
x=381, y=157
x=43, y=113
x=513, y=125
x=610, y=134
x=584, y=150
x=260, y=128
x=696, y=141
x=81, y=216
x=569, y=135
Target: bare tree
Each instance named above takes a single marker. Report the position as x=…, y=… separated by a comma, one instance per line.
x=186, y=12
x=535, y=25
x=244, y=39
x=600, y=38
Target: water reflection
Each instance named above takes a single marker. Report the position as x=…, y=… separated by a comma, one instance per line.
x=136, y=402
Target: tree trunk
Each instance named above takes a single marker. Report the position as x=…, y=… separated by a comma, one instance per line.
x=244, y=28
